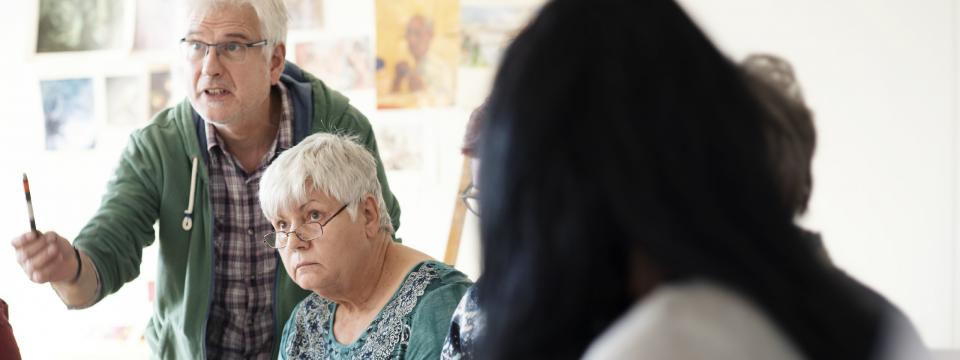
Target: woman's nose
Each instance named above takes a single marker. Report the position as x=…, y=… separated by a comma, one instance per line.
x=295, y=241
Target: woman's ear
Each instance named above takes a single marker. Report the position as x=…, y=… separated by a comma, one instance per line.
x=370, y=214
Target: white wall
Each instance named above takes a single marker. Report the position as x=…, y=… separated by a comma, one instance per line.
x=881, y=79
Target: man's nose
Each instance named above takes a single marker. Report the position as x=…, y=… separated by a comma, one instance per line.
x=212, y=66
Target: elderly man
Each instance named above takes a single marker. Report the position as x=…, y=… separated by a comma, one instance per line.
x=372, y=298
x=196, y=169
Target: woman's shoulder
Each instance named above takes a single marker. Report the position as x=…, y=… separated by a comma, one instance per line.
x=429, y=278
x=448, y=275
x=695, y=320
x=437, y=288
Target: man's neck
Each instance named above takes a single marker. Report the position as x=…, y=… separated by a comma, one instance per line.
x=250, y=139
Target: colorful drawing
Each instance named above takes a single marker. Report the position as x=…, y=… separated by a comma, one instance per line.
x=127, y=103
x=344, y=63
x=418, y=44
x=81, y=25
x=305, y=14
x=488, y=29
x=68, y=114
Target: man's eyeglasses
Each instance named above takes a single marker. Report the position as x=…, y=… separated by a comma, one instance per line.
x=307, y=232
x=194, y=50
x=469, y=196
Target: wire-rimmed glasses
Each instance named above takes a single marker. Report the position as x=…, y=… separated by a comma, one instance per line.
x=307, y=232
x=470, y=195
x=194, y=50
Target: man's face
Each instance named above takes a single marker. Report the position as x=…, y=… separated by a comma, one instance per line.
x=222, y=90
x=419, y=34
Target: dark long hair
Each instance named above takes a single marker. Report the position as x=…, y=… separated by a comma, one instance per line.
x=616, y=128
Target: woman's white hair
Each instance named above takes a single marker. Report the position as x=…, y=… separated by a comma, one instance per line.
x=271, y=13
x=334, y=164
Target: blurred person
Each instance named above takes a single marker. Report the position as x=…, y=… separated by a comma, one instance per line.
x=195, y=171
x=632, y=195
x=371, y=297
x=466, y=324
x=8, y=343
x=789, y=131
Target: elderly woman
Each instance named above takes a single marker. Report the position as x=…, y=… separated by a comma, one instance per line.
x=372, y=297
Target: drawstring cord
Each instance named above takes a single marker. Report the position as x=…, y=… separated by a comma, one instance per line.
x=188, y=213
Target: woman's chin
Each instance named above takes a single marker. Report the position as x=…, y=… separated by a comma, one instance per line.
x=307, y=279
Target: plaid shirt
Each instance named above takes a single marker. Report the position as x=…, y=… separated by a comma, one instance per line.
x=241, y=323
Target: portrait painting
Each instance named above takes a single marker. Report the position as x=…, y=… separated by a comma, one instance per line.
x=418, y=49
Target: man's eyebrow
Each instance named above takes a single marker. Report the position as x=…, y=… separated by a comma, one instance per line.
x=233, y=35
x=241, y=36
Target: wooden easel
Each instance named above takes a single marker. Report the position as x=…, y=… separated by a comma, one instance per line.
x=459, y=215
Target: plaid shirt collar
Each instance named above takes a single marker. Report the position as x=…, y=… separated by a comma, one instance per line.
x=284, y=138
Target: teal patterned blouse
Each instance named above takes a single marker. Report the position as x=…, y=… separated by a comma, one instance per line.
x=412, y=325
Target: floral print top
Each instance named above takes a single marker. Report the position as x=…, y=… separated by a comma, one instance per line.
x=411, y=325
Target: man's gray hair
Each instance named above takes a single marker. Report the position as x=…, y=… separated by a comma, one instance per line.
x=271, y=13
x=334, y=164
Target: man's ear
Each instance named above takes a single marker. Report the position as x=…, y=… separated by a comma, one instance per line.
x=370, y=214
x=277, y=62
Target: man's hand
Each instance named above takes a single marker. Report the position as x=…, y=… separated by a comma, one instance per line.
x=46, y=258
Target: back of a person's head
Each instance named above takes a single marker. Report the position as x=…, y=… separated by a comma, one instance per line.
x=790, y=133
x=616, y=127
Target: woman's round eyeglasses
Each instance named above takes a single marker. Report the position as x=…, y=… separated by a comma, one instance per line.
x=307, y=232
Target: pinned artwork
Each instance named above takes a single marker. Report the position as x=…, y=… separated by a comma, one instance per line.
x=418, y=49
x=155, y=28
x=161, y=89
x=83, y=25
x=68, y=114
x=305, y=14
x=342, y=63
x=400, y=146
x=488, y=30
x=127, y=103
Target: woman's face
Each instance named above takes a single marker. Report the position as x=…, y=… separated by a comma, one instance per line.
x=323, y=263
